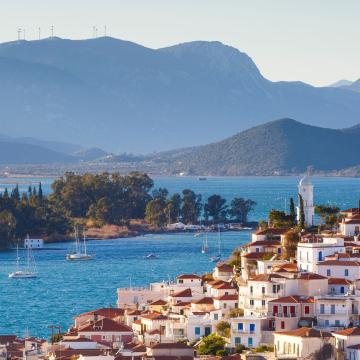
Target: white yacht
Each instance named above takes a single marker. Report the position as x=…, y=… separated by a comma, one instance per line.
x=30, y=269
x=77, y=255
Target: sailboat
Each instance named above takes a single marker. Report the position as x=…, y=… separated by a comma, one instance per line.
x=205, y=247
x=30, y=268
x=217, y=257
x=77, y=255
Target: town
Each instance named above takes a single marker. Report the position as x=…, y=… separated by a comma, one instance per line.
x=279, y=296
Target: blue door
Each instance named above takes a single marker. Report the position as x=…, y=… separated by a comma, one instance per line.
x=207, y=331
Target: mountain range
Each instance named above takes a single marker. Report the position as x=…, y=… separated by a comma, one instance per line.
x=29, y=150
x=125, y=97
x=283, y=146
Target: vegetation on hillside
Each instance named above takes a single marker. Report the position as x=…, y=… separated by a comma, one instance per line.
x=108, y=199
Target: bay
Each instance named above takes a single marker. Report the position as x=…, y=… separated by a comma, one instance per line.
x=64, y=289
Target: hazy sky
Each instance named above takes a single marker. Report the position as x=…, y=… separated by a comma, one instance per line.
x=316, y=41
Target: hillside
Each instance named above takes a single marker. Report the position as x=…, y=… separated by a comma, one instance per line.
x=22, y=153
x=278, y=147
x=124, y=97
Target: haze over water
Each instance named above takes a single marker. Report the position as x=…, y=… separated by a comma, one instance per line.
x=64, y=289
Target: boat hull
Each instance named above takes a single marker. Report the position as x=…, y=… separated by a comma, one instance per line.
x=22, y=275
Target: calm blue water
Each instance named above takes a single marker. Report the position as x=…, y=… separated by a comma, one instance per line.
x=64, y=289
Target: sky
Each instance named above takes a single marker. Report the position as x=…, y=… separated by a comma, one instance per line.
x=315, y=41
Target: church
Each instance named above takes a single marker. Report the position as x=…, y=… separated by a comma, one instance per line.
x=306, y=191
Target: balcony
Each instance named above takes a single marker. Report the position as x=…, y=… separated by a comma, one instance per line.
x=285, y=315
x=235, y=330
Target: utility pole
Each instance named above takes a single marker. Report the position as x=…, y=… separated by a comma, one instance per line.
x=53, y=328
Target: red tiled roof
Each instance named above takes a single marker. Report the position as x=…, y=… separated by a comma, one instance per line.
x=339, y=281
x=349, y=332
x=204, y=300
x=225, y=268
x=226, y=297
x=133, y=312
x=272, y=231
x=338, y=263
x=263, y=243
x=216, y=282
x=311, y=276
x=293, y=299
x=224, y=286
x=289, y=267
x=305, y=332
x=188, y=276
x=105, y=312
x=105, y=325
x=352, y=221
x=182, y=293
x=137, y=322
x=159, y=302
x=265, y=277
x=257, y=255
x=154, y=316
x=4, y=339
x=182, y=303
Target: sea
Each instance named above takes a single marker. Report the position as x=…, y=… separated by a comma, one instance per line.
x=64, y=289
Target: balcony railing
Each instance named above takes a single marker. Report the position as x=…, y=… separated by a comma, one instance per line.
x=285, y=315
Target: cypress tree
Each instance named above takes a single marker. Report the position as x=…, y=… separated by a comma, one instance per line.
x=292, y=210
x=40, y=193
x=301, y=210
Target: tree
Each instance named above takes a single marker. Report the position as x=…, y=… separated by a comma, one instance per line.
x=155, y=212
x=292, y=210
x=328, y=214
x=301, y=212
x=278, y=219
x=7, y=227
x=191, y=207
x=215, y=207
x=211, y=344
x=236, y=312
x=291, y=239
x=240, y=209
x=223, y=328
x=173, y=208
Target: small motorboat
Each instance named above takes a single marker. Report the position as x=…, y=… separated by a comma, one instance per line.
x=151, y=256
x=215, y=258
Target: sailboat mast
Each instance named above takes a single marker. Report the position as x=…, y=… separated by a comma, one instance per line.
x=17, y=257
x=84, y=242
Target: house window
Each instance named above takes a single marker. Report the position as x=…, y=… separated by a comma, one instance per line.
x=240, y=326
x=251, y=302
x=307, y=309
x=237, y=340
x=257, y=250
x=332, y=308
x=262, y=302
x=251, y=290
x=250, y=341
x=327, y=323
x=282, y=324
x=337, y=322
x=197, y=331
x=320, y=256
x=181, y=281
x=216, y=316
x=342, y=290
x=252, y=328
x=322, y=309
x=263, y=290
x=225, y=305
x=346, y=272
x=279, y=250
x=328, y=272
